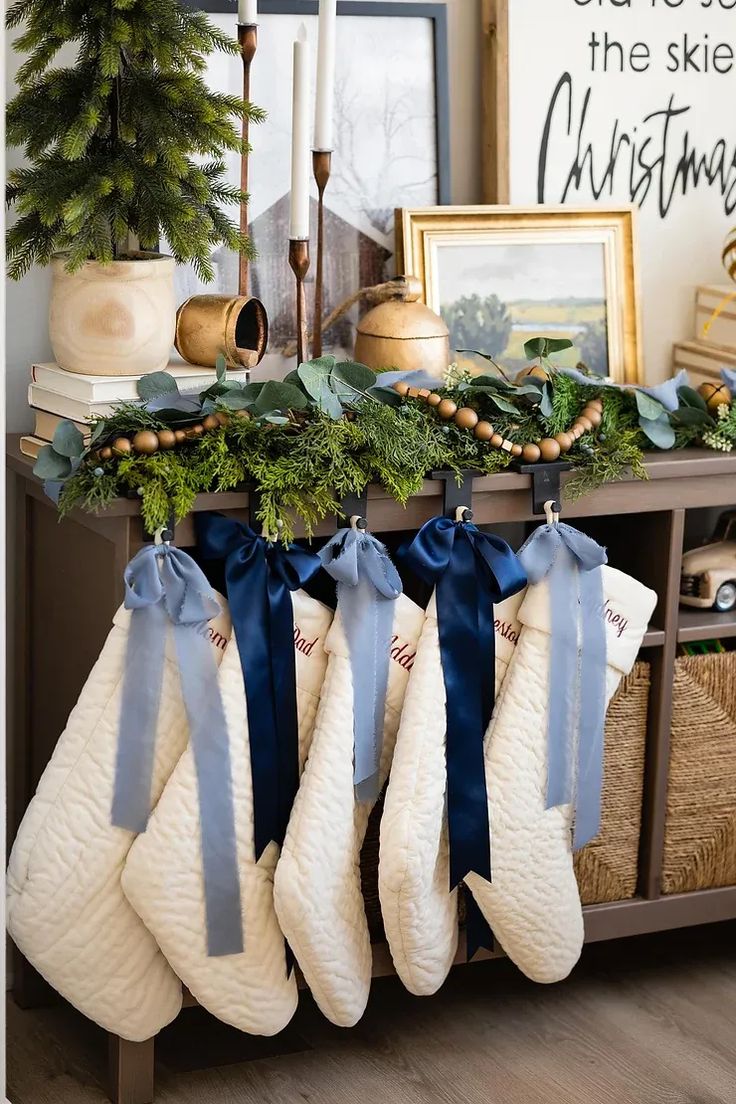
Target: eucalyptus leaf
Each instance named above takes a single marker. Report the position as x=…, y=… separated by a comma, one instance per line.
x=314, y=375
x=659, y=431
x=67, y=440
x=557, y=345
x=50, y=465
x=494, y=382
x=276, y=396
x=275, y=419
x=329, y=403
x=688, y=396
x=546, y=405
x=221, y=368
x=385, y=395
x=155, y=384
x=535, y=347
x=350, y=380
x=500, y=403
x=236, y=400
x=173, y=416
x=649, y=408
x=97, y=432
x=693, y=416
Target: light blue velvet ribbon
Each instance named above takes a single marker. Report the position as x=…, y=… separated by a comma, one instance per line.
x=368, y=584
x=571, y=563
x=165, y=588
x=728, y=375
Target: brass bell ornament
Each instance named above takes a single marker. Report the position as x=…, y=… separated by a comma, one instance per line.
x=402, y=333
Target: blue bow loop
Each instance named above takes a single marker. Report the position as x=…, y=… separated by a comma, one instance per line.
x=471, y=571
x=367, y=586
x=166, y=591
x=571, y=562
x=260, y=580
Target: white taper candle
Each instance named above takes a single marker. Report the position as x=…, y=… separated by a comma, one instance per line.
x=300, y=149
x=247, y=12
x=324, y=110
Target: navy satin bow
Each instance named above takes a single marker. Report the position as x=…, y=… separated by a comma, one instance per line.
x=471, y=572
x=167, y=591
x=260, y=579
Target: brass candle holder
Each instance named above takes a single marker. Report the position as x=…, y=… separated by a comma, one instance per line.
x=299, y=262
x=322, y=165
x=248, y=42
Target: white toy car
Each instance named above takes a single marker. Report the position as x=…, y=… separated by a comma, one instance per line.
x=708, y=578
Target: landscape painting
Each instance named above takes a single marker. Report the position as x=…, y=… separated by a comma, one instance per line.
x=494, y=295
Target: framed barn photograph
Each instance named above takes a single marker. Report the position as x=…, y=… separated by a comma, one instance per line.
x=501, y=275
x=391, y=150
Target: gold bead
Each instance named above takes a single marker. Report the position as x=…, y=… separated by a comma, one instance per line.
x=496, y=440
x=447, y=409
x=594, y=416
x=223, y=418
x=565, y=441
x=596, y=404
x=146, y=441
x=180, y=436
x=166, y=438
x=549, y=449
x=531, y=453
x=466, y=418
x=576, y=431
x=516, y=450
x=121, y=446
x=585, y=423
x=434, y=399
x=401, y=387
x=210, y=422
x=243, y=415
x=106, y=453
x=484, y=431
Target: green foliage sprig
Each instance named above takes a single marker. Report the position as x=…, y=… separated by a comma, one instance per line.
x=130, y=138
x=328, y=430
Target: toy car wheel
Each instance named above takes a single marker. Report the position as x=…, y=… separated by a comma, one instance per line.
x=725, y=598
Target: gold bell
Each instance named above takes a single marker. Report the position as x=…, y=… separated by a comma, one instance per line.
x=402, y=333
x=233, y=326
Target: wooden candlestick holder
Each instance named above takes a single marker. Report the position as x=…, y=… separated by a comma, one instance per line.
x=299, y=262
x=322, y=165
x=248, y=41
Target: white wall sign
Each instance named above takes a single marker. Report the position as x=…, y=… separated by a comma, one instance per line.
x=633, y=101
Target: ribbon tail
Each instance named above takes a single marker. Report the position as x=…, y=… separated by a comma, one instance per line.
x=478, y=933
x=144, y=667
x=283, y=663
x=562, y=704
x=211, y=749
x=592, y=710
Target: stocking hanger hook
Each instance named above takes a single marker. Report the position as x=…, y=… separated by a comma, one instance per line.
x=552, y=512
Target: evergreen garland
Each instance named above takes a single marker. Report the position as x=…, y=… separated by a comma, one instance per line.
x=130, y=138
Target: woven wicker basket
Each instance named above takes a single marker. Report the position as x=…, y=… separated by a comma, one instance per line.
x=700, y=830
x=607, y=868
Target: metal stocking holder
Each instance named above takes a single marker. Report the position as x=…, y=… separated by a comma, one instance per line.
x=162, y=536
x=546, y=483
x=354, y=507
x=457, y=499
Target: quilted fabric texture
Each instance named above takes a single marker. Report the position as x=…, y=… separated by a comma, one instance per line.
x=163, y=874
x=419, y=912
x=533, y=905
x=317, y=888
x=65, y=907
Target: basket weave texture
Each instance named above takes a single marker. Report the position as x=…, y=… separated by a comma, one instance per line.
x=700, y=829
x=607, y=868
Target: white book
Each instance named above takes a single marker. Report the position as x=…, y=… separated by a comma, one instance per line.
x=65, y=407
x=93, y=389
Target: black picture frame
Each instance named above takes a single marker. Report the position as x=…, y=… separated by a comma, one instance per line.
x=437, y=13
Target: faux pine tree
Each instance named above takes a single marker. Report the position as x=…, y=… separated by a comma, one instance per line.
x=130, y=138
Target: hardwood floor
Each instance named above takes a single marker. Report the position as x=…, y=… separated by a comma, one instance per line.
x=647, y=1021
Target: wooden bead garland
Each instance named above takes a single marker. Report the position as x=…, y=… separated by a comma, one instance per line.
x=547, y=450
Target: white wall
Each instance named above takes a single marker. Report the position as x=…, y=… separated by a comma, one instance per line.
x=27, y=301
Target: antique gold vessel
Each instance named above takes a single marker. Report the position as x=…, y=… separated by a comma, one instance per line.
x=234, y=326
x=402, y=333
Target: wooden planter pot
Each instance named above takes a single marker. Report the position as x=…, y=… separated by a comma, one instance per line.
x=113, y=320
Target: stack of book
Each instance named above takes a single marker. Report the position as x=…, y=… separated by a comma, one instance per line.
x=55, y=395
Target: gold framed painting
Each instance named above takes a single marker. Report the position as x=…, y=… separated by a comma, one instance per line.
x=501, y=275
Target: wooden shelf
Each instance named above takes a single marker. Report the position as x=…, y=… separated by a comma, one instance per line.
x=654, y=638
x=695, y=624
